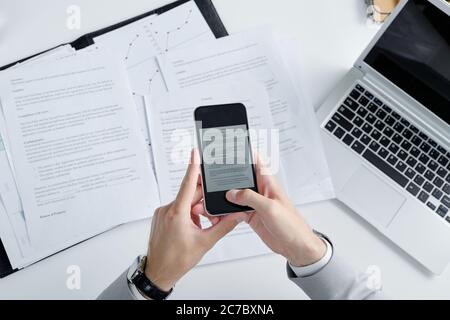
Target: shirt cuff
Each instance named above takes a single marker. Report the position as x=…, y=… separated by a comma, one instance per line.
x=312, y=269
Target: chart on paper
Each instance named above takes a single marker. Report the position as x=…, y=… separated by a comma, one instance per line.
x=138, y=43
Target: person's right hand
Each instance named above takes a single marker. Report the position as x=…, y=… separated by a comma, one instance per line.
x=277, y=221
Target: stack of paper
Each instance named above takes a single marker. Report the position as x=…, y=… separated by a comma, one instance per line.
x=101, y=136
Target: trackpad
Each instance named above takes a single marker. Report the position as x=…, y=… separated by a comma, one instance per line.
x=371, y=197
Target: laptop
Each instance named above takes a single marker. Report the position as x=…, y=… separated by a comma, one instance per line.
x=386, y=130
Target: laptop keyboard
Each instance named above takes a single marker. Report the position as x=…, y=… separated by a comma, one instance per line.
x=396, y=147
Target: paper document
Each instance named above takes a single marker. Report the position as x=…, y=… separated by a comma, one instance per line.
x=254, y=55
x=79, y=157
x=138, y=44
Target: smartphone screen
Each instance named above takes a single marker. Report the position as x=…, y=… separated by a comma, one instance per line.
x=227, y=162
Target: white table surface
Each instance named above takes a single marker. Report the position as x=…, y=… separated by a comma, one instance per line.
x=332, y=34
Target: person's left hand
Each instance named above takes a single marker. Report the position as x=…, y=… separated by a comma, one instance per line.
x=177, y=240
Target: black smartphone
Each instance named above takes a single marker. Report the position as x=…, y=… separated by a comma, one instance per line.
x=226, y=155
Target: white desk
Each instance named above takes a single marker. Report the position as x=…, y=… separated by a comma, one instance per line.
x=332, y=33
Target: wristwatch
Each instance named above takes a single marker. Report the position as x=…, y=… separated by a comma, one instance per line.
x=141, y=286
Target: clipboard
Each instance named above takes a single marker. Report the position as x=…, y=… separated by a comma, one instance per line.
x=211, y=16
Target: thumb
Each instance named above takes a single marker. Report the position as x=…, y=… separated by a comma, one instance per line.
x=248, y=198
x=225, y=226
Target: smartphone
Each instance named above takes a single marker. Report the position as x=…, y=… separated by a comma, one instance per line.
x=226, y=155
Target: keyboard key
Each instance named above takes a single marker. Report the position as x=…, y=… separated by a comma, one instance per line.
x=425, y=147
x=433, y=165
x=381, y=114
x=367, y=128
x=429, y=175
x=352, y=104
x=446, y=188
x=428, y=187
x=405, y=122
x=380, y=125
x=431, y=206
x=423, y=196
x=410, y=173
x=411, y=162
x=360, y=88
x=446, y=201
x=388, y=132
x=365, y=140
x=438, y=182
x=448, y=178
x=378, y=102
x=368, y=95
x=402, y=155
x=387, y=109
x=414, y=129
x=406, y=145
x=339, y=133
x=348, y=139
x=372, y=107
x=419, y=180
x=396, y=116
x=407, y=134
x=371, y=118
x=376, y=135
x=423, y=136
x=355, y=94
x=442, y=211
x=443, y=161
x=358, y=121
x=399, y=127
x=358, y=147
x=374, y=146
x=434, y=154
x=415, y=152
x=330, y=126
x=448, y=219
x=413, y=189
x=437, y=194
x=420, y=168
x=383, y=153
x=392, y=160
x=362, y=112
x=357, y=133
x=389, y=121
x=397, y=138
x=416, y=141
x=379, y=163
x=401, y=166
x=394, y=148
x=385, y=142
x=341, y=121
x=432, y=143
x=442, y=172
x=442, y=150
x=424, y=158
x=346, y=112
x=364, y=101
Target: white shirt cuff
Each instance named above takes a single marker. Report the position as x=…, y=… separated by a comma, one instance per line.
x=312, y=269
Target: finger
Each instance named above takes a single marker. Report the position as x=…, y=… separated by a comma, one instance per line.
x=196, y=220
x=250, y=199
x=190, y=181
x=198, y=196
x=224, y=226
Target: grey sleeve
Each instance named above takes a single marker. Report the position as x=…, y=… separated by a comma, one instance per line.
x=118, y=290
x=338, y=281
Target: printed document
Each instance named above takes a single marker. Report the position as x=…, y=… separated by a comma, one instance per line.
x=254, y=55
x=79, y=157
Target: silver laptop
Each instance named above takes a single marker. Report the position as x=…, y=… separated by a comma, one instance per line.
x=386, y=129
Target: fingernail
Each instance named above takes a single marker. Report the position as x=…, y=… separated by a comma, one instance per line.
x=231, y=195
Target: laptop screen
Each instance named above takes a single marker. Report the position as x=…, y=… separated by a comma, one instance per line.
x=414, y=54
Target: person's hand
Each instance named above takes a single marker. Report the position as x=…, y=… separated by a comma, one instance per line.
x=177, y=240
x=277, y=221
